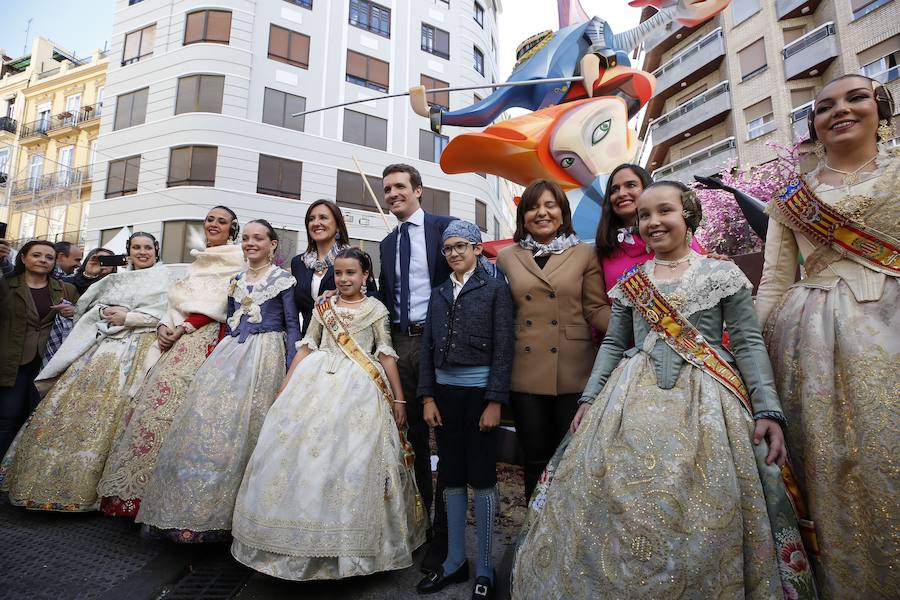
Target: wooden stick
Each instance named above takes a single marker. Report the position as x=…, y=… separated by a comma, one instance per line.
x=372, y=193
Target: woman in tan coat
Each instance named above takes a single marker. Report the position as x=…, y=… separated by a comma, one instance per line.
x=557, y=287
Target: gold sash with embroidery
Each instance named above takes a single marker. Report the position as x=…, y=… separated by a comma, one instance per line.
x=828, y=226
x=680, y=335
x=338, y=331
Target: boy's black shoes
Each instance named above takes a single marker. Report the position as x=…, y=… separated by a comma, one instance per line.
x=484, y=589
x=436, y=581
x=436, y=553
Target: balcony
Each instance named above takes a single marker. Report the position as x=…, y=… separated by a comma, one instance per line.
x=799, y=122
x=62, y=124
x=34, y=132
x=697, y=60
x=46, y=185
x=791, y=9
x=708, y=161
x=89, y=113
x=809, y=55
x=698, y=113
x=9, y=125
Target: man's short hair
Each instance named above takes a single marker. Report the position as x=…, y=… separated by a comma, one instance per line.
x=63, y=248
x=415, y=178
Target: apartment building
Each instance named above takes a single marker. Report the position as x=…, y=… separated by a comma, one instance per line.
x=201, y=97
x=727, y=87
x=52, y=102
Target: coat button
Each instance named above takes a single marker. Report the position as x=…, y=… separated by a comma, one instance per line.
x=554, y=322
x=528, y=323
x=553, y=294
x=553, y=350
x=527, y=348
x=454, y=346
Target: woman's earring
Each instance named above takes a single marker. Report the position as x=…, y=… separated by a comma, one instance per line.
x=363, y=290
x=886, y=130
x=819, y=150
x=688, y=235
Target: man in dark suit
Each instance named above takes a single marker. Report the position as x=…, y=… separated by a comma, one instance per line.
x=412, y=264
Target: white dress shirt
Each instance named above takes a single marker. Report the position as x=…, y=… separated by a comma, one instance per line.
x=419, y=277
x=457, y=286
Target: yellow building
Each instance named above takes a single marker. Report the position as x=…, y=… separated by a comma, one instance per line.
x=55, y=120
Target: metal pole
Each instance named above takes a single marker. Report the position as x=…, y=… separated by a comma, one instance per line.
x=372, y=193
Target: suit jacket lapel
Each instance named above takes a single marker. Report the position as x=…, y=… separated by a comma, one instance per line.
x=556, y=261
x=327, y=282
x=446, y=290
x=527, y=259
x=388, y=265
x=432, y=241
x=31, y=314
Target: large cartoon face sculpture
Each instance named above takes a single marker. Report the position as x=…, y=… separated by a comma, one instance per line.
x=592, y=139
x=571, y=144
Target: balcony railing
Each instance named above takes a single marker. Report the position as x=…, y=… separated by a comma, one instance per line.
x=35, y=128
x=690, y=105
x=698, y=159
x=8, y=124
x=884, y=76
x=810, y=54
x=695, y=61
x=799, y=123
x=816, y=35
x=700, y=112
x=49, y=182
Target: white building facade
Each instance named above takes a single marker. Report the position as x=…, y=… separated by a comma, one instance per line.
x=200, y=98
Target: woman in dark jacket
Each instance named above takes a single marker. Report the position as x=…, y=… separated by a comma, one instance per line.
x=326, y=235
x=90, y=271
x=26, y=316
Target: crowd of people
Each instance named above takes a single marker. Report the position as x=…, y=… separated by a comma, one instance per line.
x=289, y=412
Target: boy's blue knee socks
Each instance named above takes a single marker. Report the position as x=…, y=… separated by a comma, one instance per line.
x=456, y=500
x=486, y=502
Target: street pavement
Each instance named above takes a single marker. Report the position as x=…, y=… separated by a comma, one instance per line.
x=53, y=556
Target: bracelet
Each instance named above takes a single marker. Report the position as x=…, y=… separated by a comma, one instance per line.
x=399, y=401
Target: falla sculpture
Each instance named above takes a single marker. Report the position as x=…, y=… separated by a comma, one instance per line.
x=582, y=91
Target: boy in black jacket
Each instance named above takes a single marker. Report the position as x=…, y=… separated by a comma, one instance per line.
x=467, y=348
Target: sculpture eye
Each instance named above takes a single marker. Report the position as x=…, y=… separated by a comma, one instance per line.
x=601, y=131
x=567, y=162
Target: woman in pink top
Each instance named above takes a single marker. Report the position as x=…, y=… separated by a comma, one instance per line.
x=619, y=245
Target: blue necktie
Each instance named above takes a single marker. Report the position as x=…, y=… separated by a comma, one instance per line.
x=404, y=276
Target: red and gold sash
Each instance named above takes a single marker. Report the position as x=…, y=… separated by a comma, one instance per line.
x=338, y=330
x=826, y=225
x=680, y=335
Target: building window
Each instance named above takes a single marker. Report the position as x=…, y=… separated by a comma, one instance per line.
x=367, y=71
x=435, y=41
x=743, y=10
x=179, y=238
x=138, y=44
x=880, y=62
x=481, y=215
x=792, y=34
x=200, y=93
x=478, y=55
x=208, y=26
x=26, y=225
x=479, y=15
x=351, y=192
x=760, y=119
x=278, y=108
x=122, y=176
x=441, y=99
x=436, y=202
x=431, y=145
x=365, y=130
x=371, y=17
x=303, y=3
x=192, y=165
x=131, y=109
x=4, y=161
x=861, y=8
x=753, y=59
x=288, y=46
x=279, y=177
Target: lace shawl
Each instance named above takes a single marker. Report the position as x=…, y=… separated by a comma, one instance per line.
x=204, y=288
x=248, y=302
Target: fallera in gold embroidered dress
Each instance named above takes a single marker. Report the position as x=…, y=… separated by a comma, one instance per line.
x=327, y=493
x=661, y=492
x=834, y=341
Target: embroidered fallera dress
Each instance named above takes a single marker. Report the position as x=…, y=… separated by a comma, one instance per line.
x=834, y=340
x=661, y=492
x=58, y=456
x=327, y=493
x=197, y=302
x=190, y=495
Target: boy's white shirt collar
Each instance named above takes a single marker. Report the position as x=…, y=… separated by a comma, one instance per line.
x=457, y=286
